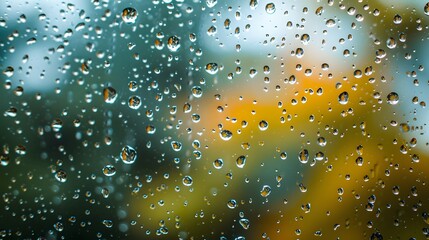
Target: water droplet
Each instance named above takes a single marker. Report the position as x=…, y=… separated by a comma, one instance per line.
x=380, y=53
x=263, y=125
x=319, y=156
x=391, y=43
x=8, y=71
x=376, y=236
x=110, y=95
x=225, y=135
x=105, y=192
x=108, y=223
x=303, y=156
x=392, y=98
x=321, y=141
x=187, y=181
x=212, y=68
x=253, y=4
x=359, y=161
x=177, y=146
x=265, y=191
x=134, y=102
x=211, y=3
x=283, y=155
x=57, y=124
x=61, y=175
x=232, y=203
x=241, y=161
x=397, y=19
x=270, y=8
x=212, y=31
x=173, y=43
x=253, y=72
x=245, y=223
x=128, y=155
x=218, y=163
x=197, y=91
x=305, y=38
x=129, y=15
x=150, y=129
x=319, y=11
x=109, y=170
x=343, y=98
x=330, y=23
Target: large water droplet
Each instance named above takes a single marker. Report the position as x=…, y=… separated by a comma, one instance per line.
x=241, y=161
x=392, y=98
x=109, y=170
x=265, y=191
x=245, y=223
x=343, y=98
x=129, y=15
x=187, y=181
x=303, y=156
x=134, y=102
x=263, y=125
x=177, y=146
x=128, y=155
x=211, y=3
x=225, y=135
x=305, y=38
x=173, y=43
x=212, y=68
x=397, y=19
x=110, y=95
x=232, y=203
x=61, y=175
x=253, y=4
x=218, y=163
x=270, y=8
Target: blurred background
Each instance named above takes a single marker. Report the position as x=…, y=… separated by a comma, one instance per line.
x=213, y=119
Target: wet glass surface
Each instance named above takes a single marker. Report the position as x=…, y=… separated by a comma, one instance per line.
x=214, y=119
